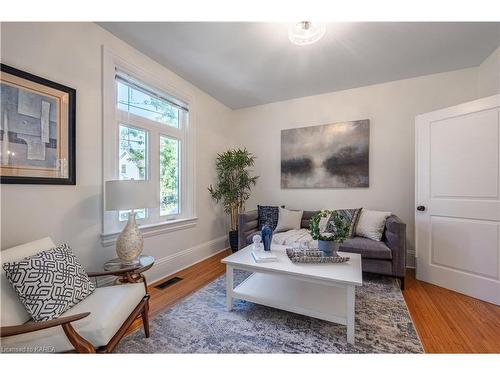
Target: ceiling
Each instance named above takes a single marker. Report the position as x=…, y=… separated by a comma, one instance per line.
x=247, y=64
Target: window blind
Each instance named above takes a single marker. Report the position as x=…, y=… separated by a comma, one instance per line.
x=138, y=85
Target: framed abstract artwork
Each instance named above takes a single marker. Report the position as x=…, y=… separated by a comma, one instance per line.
x=326, y=156
x=37, y=130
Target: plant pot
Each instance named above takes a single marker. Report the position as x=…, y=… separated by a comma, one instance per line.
x=233, y=240
x=329, y=248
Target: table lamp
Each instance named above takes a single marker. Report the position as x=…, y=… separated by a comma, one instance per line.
x=130, y=195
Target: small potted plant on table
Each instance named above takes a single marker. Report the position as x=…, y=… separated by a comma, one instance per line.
x=332, y=235
x=233, y=186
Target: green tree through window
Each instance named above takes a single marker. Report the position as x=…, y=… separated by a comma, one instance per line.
x=169, y=176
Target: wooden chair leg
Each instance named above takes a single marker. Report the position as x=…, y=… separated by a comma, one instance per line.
x=145, y=318
x=80, y=344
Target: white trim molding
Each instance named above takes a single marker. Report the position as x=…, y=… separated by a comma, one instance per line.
x=153, y=224
x=173, y=263
x=149, y=230
x=410, y=258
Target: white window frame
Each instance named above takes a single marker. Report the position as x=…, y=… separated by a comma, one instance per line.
x=112, y=118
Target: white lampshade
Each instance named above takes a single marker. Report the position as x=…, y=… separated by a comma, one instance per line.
x=130, y=194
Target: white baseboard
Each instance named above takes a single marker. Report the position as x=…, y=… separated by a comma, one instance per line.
x=174, y=263
x=410, y=258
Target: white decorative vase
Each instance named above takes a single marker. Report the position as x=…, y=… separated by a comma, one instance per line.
x=130, y=243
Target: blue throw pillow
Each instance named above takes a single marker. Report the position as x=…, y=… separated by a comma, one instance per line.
x=268, y=215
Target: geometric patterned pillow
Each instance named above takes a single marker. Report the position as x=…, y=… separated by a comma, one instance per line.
x=351, y=216
x=268, y=215
x=49, y=283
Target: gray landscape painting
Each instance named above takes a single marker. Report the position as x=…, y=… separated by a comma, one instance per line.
x=326, y=156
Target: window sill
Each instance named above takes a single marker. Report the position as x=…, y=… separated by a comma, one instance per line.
x=150, y=230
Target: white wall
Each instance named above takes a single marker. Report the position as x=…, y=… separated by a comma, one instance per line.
x=489, y=75
x=391, y=108
x=71, y=54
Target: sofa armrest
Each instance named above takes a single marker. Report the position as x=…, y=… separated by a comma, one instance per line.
x=248, y=222
x=395, y=239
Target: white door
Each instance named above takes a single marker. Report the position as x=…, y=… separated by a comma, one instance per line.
x=457, y=210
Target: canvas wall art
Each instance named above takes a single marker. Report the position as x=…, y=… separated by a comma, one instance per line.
x=37, y=129
x=326, y=156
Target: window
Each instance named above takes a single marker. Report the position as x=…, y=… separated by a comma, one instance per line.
x=133, y=153
x=133, y=160
x=169, y=176
x=131, y=98
x=151, y=142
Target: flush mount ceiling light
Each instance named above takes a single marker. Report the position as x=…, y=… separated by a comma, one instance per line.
x=305, y=32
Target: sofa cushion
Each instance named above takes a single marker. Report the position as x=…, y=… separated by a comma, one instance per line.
x=12, y=310
x=306, y=216
x=367, y=248
x=109, y=307
x=49, y=283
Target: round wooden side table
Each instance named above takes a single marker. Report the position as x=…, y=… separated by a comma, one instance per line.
x=130, y=273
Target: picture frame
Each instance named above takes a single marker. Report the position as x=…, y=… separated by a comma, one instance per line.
x=332, y=155
x=37, y=129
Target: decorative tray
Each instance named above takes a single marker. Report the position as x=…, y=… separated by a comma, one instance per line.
x=313, y=256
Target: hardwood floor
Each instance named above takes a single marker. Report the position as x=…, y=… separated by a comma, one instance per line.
x=193, y=278
x=446, y=321
x=450, y=322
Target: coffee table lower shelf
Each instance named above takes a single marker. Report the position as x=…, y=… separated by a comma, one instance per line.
x=333, y=302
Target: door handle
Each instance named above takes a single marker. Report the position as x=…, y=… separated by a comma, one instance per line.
x=420, y=208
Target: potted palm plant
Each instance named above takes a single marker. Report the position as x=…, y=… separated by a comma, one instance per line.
x=336, y=231
x=234, y=182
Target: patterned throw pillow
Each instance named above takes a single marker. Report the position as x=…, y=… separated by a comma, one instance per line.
x=268, y=215
x=352, y=216
x=49, y=283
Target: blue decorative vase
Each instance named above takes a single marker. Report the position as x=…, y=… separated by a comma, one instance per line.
x=329, y=248
x=267, y=236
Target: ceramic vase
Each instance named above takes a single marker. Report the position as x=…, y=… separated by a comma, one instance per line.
x=329, y=248
x=129, y=243
x=267, y=236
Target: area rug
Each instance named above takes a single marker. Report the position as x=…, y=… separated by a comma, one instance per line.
x=200, y=324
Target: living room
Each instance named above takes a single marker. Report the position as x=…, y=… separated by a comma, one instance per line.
x=183, y=187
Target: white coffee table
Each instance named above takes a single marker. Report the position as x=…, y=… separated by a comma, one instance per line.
x=325, y=291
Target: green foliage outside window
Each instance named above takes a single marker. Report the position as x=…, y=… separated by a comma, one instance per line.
x=169, y=175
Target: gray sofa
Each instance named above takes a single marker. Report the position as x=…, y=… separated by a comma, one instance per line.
x=386, y=257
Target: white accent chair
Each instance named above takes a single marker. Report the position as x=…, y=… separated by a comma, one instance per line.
x=96, y=324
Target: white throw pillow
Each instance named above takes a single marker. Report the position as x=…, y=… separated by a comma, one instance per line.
x=371, y=224
x=288, y=220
